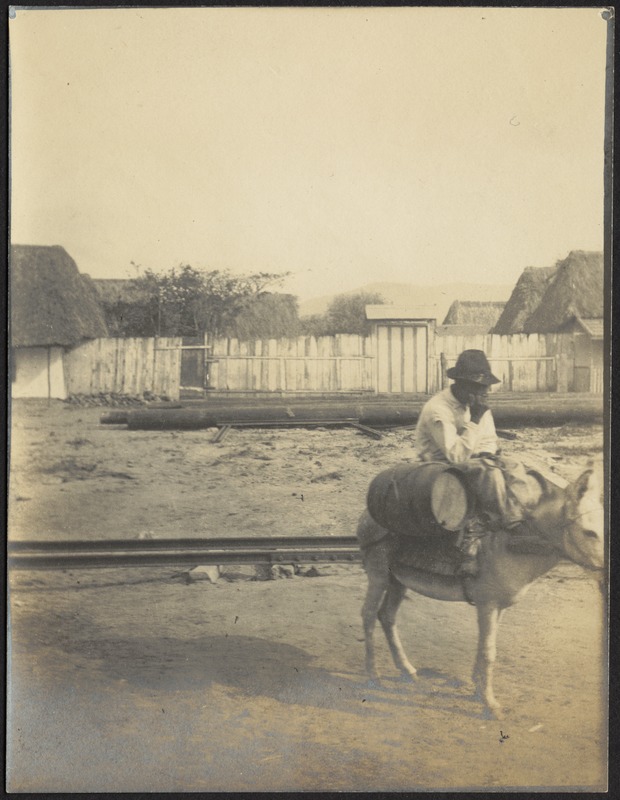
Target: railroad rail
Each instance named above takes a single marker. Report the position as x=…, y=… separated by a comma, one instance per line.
x=112, y=553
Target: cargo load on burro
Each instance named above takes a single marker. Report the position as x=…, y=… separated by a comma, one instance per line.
x=436, y=518
x=420, y=499
x=464, y=522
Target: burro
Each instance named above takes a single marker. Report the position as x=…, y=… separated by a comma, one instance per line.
x=566, y=523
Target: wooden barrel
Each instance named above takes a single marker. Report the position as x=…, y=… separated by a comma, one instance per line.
x=419, y=499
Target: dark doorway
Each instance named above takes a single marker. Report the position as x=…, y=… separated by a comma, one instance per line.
x=193, y=367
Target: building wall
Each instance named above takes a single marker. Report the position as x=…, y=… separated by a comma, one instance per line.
x=589, y=363
x=402, y=356
x=38, y=372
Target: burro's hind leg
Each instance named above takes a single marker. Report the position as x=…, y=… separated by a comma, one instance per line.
x=488, y=621
x=387, y=617
x=378, y=582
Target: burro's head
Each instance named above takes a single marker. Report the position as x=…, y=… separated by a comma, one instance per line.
x=584, y=522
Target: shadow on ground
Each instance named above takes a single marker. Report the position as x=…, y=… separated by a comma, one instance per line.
x=257, y=667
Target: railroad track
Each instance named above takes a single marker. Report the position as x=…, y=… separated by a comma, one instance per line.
x=101, y=554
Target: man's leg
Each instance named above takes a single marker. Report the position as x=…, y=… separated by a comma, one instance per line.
x=522, y=490
x=498, y=506
x=488, y=485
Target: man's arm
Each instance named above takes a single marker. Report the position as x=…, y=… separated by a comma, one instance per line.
x=456, y=449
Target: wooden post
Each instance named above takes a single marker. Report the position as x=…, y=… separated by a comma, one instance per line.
x=562, y=372
x=49, y=374
x=338, y=353
x=444, y=365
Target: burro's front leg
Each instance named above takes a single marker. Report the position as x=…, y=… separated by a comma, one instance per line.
x=488, y=621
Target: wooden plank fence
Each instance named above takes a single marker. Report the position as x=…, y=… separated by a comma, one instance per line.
x=124, y=366
x=522, y=362
x=596, y=380
x=308, y=364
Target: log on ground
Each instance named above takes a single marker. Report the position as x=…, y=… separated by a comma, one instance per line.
x=512, y=412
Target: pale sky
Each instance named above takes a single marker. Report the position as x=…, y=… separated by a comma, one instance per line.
x=348, y=146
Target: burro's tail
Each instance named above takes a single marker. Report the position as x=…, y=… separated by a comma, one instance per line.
x=377, y=545
x=368, y=531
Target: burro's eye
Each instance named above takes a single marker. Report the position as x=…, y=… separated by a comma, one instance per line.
x=590, y=534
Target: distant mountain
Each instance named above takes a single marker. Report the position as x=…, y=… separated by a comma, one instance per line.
x=407, y=294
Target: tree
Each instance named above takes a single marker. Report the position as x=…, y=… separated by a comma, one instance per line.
x=345, y=314
x=187, y=302
x=313, y=325
x=267, y=316
x=225, y=297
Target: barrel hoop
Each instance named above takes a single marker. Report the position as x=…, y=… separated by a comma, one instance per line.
x=395, y=487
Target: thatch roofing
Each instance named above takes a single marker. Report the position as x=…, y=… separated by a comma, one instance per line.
x=114, y=290
x=576, y=290
x=474, y=312
x=386, y=311
x=51, y=303
x=461, y=330
x=524, y=299
x=545, y=299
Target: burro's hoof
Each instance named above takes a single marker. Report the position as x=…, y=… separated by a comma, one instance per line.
x=409, y=676
x=494, y=712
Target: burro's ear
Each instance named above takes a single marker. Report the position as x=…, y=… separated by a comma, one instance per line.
x=584, y=484
x=539, y=481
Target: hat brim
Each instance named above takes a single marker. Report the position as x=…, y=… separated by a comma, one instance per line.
x=483, y=378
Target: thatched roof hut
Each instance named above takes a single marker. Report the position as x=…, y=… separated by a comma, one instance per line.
x=576, y=290
x=51, y=303
x=461, y=330
x=473, y=312
x=115, y=290
x=525, y=298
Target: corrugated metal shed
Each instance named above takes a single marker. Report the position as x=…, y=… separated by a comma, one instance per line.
x=594, y=326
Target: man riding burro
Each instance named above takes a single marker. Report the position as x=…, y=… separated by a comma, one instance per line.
x=456, y=426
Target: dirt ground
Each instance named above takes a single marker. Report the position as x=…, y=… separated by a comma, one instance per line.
x=136, y=680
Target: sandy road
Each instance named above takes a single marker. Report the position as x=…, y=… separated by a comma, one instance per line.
x=137, y=681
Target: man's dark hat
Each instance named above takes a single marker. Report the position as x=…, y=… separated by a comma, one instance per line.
x=472, y=365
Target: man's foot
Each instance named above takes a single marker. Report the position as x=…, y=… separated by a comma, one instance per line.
x=469, y=542
x=490, y=522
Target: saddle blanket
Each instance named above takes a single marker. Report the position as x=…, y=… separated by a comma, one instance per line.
x=437, y=554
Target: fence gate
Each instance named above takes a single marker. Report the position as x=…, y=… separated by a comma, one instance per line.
x=402, y=358
x=193, y=366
